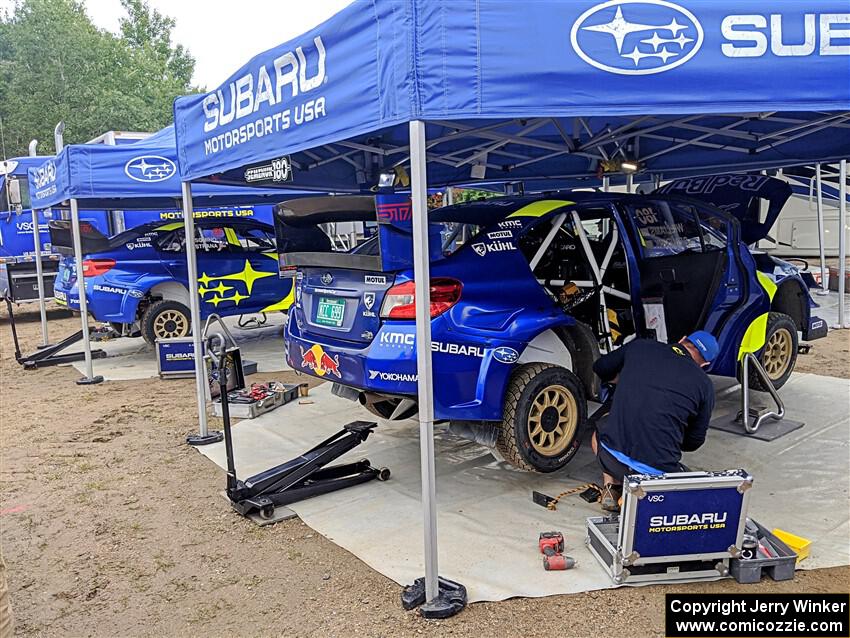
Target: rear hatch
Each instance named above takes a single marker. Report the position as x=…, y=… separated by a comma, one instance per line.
x=740, y=196
x=62, y=239
x=341, y=304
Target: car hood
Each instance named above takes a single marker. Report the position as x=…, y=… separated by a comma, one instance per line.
x=738, y=195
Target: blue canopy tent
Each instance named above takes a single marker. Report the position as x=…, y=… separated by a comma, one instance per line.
x=500, y=90
x=138, y=176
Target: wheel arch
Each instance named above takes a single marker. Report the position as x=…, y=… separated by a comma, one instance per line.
x=571, y=346
x=170, y=290
x=791, y=298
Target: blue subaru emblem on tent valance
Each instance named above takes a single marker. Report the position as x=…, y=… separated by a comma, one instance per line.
x=636, y=37
x=150, y=168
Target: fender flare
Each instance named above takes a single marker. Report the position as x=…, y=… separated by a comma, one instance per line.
x=579, y=344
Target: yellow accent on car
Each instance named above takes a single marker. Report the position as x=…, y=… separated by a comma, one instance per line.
x=538, y=209
x=231, y=237
x=756, y=334
x=754, y=337
x=766, y=283
x=171, y=226
x=284, y=304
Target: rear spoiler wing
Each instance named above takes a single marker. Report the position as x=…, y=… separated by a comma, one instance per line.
x=301, y=242
x=739, y=195
x=62, y=239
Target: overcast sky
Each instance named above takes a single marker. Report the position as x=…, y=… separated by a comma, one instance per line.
x=223, y=34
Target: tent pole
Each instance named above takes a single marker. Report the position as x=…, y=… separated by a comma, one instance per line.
x=606, y=184
x=842, y=243
x=203, y=437
x=630, y=183
x=421, y=274
x=39, y=271
x=89, y=379
x=824, y=289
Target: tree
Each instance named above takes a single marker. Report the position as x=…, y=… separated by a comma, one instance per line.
x=56, y=65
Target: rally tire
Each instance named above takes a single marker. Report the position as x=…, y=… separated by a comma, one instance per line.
x=779, y=355
x=166, y=319
x=544, y=415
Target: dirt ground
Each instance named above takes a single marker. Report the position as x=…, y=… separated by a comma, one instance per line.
x=112, y=526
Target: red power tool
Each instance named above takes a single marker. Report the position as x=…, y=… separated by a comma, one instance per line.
x=552, y=546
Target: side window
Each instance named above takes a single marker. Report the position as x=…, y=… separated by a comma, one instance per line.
x=213, y=239
x=172, y=242
x=667, y=228
x=254, y=239
x=715, y=230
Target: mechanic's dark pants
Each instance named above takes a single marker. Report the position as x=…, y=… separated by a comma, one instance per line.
x=613, y=466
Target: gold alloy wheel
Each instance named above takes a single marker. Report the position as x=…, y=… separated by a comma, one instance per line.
x=777, y=353
x=552, y=420
x=169, y=324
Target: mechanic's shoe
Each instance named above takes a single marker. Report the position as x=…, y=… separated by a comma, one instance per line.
x=611, y=497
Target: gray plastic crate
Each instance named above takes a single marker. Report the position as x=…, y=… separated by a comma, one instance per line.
x=780, y=568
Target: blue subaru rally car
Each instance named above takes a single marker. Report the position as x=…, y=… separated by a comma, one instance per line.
x=526, y=292
x=138, y=281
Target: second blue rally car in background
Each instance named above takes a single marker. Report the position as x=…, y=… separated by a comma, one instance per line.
x=527, y=291
x=138, y=279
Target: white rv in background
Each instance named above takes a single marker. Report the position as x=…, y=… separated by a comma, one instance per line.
x=796, y=230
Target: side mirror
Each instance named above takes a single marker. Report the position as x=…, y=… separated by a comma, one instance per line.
x=14, y=187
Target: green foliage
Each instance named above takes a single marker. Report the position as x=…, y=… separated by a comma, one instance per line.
x=461, y=195
x=56, y=65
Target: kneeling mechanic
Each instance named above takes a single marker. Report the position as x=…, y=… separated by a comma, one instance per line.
x=662, y=407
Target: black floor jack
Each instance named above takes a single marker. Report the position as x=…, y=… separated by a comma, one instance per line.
x=50, y=355
x=300, y=478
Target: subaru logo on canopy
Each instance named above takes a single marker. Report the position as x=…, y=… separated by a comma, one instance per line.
x=636, y=37
x=150, y=168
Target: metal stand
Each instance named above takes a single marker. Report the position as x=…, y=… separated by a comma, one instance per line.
x=758, y=416
x=48, y=355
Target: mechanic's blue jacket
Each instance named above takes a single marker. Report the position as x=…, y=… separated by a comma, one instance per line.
x=662, y=405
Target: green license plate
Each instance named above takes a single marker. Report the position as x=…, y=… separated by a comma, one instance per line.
x=330, y=312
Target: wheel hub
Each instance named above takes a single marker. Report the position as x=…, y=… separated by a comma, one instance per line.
x=170, y=324
x=777, y=353
x=552, y=420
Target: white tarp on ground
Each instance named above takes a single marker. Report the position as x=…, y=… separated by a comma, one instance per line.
x=488, y=525
x=128, y=359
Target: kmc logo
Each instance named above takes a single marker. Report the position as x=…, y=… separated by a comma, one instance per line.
x=636, y=37
x=150, y=168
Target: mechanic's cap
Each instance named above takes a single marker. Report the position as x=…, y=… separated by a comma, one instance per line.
x=706, y=344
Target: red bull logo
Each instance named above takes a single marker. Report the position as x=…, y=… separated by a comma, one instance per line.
x=320, y=362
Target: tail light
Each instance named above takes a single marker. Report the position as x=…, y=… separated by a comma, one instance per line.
x=95, y=267
x=400, y=300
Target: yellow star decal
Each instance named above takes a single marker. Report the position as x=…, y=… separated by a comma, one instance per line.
x=220, y=289
x=215, y=300
x=205, y=280
x=248, y=276
x=236, y=298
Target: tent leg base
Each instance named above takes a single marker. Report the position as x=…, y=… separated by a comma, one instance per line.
x=90, y=380
x=450, y=600
x=196, y=440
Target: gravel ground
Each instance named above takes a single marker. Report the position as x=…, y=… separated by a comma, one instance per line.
x=112, y=526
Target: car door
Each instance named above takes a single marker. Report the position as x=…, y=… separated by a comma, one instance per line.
x=684, y=263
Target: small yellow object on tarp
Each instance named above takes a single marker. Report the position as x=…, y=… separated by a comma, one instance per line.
x=797, y=544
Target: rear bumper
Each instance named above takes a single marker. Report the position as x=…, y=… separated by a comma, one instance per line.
x=469, y=382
